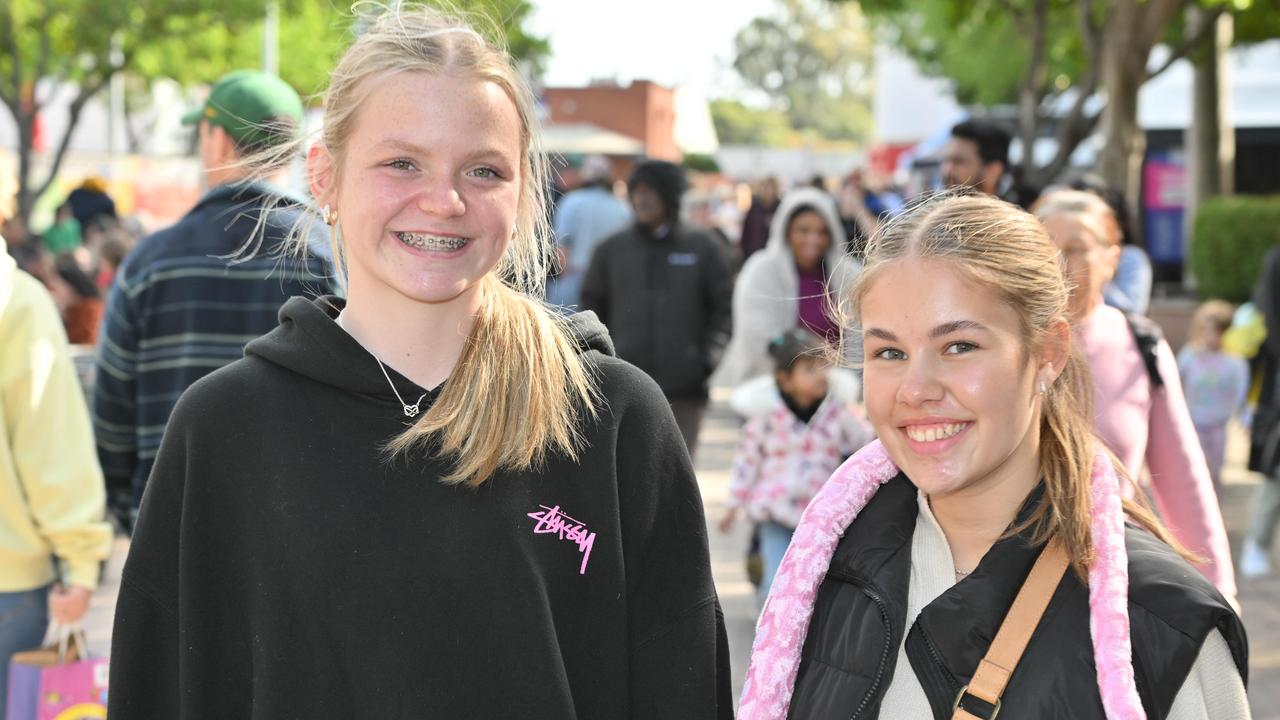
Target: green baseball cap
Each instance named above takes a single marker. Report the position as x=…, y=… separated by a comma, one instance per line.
x=244, y=102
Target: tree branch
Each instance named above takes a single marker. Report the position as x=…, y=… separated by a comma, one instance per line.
x=9, y=43
x=1189, y=43
x=1032, y=90
x=1070, y=135
x=1076, y=126
x=42, y=60
x=73, y=118
x=1016, y=14
x=1091, y=32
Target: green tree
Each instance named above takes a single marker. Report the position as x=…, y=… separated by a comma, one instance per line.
x=813, y=62
x=1038, y=53
x=737, y=124
x=85, y=43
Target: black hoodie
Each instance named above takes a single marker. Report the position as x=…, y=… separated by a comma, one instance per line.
x=282, y=569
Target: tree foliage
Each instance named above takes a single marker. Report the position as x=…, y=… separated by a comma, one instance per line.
x=1049, y=57
x=737, y=124
x=812, y=61
x=312, y=34
x=84, y=43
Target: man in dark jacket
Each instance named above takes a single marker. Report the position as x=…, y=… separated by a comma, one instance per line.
x=180, y=307
x=1264, y=441
x=665, y=291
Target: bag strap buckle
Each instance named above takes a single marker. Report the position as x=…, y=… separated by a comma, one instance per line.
x=959, y=713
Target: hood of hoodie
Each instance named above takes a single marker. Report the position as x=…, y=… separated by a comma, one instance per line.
x=807, y=198
x=666, y=179
x=760, y=396
x=309, y=342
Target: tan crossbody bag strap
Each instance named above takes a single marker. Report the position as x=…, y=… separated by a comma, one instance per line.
x=1006, y=650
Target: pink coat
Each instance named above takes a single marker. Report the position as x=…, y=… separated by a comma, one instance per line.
x=782, y=463
x=1148, y=426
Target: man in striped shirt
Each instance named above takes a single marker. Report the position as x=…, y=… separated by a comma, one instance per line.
x=189, y=297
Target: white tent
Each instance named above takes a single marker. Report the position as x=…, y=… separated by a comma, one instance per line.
x=588, y=139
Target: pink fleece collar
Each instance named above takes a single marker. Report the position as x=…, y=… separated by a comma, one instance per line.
x=775, y=655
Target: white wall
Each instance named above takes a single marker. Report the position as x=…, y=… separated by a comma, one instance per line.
x=750, y=162
x=909, y=107
x=1252, y=73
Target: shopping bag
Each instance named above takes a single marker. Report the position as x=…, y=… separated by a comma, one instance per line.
x=55, y=683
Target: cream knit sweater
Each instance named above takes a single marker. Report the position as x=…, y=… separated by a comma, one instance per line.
x=52, y=500
x=1213, y=689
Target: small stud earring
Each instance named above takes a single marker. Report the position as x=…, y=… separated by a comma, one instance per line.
x=1044, y=389
x=329, y=215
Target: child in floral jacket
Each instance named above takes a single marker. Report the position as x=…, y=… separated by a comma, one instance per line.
x=787, y=451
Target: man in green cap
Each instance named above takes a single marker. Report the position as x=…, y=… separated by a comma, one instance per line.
x=247, y=114
x=189, y=297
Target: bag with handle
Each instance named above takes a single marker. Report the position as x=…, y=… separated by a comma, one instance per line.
x=58, y=681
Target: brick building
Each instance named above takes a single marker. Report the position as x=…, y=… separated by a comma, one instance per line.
x=643, y=110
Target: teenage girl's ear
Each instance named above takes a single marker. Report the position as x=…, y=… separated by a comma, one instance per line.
x=1054, y=351
x=320, y=173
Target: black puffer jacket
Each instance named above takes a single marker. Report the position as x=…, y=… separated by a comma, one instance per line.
x=860, y=615
x=667, y=302
x=1264, y=441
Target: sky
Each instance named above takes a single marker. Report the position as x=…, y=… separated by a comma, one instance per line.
x=686, y=42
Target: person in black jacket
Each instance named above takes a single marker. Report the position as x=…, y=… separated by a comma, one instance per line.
x=665, y=291
x=896, y=598
x=1264, y=436
x=435, y=498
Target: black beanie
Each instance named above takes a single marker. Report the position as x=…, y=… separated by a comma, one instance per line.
x=664, y=178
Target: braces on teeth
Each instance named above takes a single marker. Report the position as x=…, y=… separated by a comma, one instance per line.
x=431, y=242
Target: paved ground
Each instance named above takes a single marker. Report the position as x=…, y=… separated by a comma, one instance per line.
x=1261, y=599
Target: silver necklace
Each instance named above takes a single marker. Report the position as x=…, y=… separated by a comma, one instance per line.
x=409, y=410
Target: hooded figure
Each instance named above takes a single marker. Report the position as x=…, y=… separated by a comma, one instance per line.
x=770, y=299
x=664, y=289
x=666, y=180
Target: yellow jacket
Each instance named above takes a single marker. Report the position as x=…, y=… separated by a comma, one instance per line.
x=52, y=499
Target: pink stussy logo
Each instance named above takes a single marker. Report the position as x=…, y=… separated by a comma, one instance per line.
x=552, y=520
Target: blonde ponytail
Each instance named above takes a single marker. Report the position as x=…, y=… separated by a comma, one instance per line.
x=519, y=392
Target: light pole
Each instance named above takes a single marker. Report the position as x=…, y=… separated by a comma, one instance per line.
x=270, y=39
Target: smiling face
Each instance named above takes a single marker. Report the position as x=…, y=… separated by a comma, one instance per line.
x=1090, y=260
x=950, y=387
x=429, y=187
x=809, y=239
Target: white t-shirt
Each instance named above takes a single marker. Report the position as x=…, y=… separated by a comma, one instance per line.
x=1213, y=688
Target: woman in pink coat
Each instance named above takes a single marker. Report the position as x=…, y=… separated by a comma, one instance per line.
x=1140, y=409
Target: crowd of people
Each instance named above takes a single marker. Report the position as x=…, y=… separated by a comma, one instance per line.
x=368, y=470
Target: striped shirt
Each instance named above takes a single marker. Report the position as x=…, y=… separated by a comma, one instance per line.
x=181, y=308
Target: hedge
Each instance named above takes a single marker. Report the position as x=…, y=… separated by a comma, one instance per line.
x=1228, y=240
